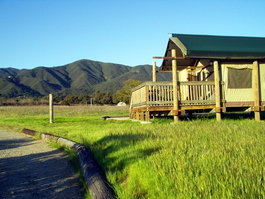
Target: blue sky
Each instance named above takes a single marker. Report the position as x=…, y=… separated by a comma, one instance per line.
x=57, y=32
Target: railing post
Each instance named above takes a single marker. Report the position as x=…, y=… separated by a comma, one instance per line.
x=175, y=85
x=147, y=112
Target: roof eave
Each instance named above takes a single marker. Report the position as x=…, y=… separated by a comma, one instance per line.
x=180, y=45
x=199, y=54
x=221, y=57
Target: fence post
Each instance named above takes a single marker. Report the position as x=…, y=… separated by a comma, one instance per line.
x=51, y=108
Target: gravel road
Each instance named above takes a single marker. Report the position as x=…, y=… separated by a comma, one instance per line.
x=31, y=169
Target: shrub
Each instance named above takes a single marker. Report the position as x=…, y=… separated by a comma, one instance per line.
x=124, y=94
x=102, y=98
x=74, y=99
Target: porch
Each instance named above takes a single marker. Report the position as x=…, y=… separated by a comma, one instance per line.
x=157, y=98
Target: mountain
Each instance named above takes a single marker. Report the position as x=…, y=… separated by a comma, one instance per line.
x=77, y=78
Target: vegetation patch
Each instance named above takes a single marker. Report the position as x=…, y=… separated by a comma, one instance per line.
x=201, y=158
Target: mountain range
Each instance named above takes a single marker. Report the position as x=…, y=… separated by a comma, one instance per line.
x=77, y=78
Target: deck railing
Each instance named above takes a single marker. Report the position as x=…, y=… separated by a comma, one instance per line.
x=161, y=93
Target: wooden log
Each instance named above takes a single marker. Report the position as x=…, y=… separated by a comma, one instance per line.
x=95, y=180
x=48, y=137
x=68, y=143
x=29, y=132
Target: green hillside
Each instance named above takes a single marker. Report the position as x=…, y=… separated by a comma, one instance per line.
x=10, y=89
x=77, y=78
x=5, y=72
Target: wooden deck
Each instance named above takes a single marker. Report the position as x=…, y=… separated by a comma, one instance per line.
x=156, y=98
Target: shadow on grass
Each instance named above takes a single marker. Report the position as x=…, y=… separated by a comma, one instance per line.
x=232, y=116
x=115, y=152
x=203, y=116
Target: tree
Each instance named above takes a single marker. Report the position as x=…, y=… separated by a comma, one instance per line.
x=124, y=94
x=74, y=99
x=84, y=99
x=69, y=99
x=102, y=98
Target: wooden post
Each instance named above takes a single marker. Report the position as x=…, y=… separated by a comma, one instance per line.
x=256, y=88
x=217, y=91
x=51, y=108
x=142, y=116
x=175, y=85
x=154, y=71
x=147, y=113
x=91, y=101
x=137, y=115
x=190, y=115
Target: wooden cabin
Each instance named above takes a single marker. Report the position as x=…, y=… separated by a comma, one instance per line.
x=209, y=73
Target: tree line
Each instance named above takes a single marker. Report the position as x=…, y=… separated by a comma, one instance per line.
x=122, y=95
x=100, y=98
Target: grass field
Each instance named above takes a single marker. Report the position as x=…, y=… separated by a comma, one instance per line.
x=189, y=159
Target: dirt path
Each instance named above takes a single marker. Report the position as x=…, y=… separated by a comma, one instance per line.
x=30, y=169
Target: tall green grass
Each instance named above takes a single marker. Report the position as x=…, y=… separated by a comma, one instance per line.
x=190, y=159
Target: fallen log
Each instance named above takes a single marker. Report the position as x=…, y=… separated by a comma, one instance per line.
x=68, y=143
x=95, y=180
x=29, y=132
x=49, y=137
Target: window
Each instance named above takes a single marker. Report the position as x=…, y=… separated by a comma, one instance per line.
x=239, y=78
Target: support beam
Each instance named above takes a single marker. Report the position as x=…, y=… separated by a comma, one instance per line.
x=256, y=88
x=217, y=91
x=142, y=116
x=175, y=84
x=154, y=71
x=147, y=116
x=186, y=67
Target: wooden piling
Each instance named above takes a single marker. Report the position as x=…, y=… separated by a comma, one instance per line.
x=256, y=88
x=217, y=91
x=175, y=85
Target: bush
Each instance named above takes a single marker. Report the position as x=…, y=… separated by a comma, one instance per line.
x=23, y=101
x=73, y=99
x=103, y=98
x=124, y=94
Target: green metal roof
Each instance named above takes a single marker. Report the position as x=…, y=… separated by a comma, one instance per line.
x=222, y=47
